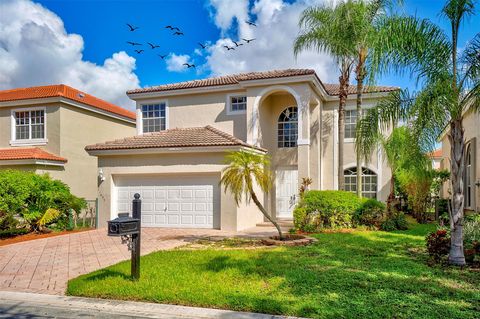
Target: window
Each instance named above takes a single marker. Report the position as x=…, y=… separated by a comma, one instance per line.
x=154, y=117
x=369, y=182
x=29, y=125
x=350, y=123
x=238, y=104
x=288, y=127
x=468, y=178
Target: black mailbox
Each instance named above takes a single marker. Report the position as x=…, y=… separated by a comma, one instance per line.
x=122, y=226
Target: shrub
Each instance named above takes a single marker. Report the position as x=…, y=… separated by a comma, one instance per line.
x=38, y=199
x=396, y=221
x=13, y=232
x=326, y=209
x=438, y=244
x=7, y=221
x=471, y=230
x=371, y=213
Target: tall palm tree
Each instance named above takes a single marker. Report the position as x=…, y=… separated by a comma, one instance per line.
x=451, y=86
x=329, y=29
x=244, y=170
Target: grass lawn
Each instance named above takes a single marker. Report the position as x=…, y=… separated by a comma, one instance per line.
x=361, y=274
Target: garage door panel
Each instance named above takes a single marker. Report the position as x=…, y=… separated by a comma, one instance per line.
x=170, y=201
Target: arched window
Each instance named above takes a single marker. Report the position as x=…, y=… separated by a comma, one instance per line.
x=468, y=178
x=288, y=127
x=369, y=182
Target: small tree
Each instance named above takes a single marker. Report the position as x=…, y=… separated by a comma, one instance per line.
x=244, y=169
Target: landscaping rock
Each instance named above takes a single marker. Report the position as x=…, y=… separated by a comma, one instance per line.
x=290, y=240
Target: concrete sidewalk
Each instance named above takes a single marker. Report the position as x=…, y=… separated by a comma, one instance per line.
x=30, y=305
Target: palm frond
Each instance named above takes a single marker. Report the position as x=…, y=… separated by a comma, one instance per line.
x=49, y=216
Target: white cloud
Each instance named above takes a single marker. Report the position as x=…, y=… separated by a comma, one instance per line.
x=35, y=49
x=277, y=28
x=175, y=62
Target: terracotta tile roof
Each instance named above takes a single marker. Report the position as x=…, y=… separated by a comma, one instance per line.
x=436, y=154
x=332, y=89
x=61, y=90
x=29, y=153
x=178, y=137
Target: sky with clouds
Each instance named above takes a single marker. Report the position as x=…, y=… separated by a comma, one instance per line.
x=82, y=43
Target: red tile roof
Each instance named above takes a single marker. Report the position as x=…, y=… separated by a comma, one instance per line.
x=29, y=153
x=178, y=137
x=436, y=154
x=331, y=89
x=61, y=90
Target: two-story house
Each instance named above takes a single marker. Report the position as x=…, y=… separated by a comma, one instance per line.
x=45, y=129
x=184, y=129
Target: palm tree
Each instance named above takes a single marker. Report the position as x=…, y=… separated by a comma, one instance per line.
x=328, y=29
x=451, y=86
x=244, y=170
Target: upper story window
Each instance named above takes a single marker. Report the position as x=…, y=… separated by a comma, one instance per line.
x=288, y=127
x=350, y=123
x=369, y=182
x=28, y=126
x=154, y=117
x=237, y=104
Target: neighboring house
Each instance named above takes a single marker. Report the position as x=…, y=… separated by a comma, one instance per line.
x=471, y=124
x=436, y=157
x=184, y=130
x=45, y=129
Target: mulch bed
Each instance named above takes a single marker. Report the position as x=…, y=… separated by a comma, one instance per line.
x=33, y=236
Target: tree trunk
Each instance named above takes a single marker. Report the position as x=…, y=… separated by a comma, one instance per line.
x=457, y=154
x=391, y=196
x=265, y=213
x=360, y=76
x=343, y=93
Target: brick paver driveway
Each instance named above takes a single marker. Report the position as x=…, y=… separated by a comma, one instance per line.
x=45, y=265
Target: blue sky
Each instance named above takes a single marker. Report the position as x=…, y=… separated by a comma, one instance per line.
x=100, y=61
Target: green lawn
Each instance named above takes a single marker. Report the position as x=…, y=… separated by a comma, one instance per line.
x=361, y=274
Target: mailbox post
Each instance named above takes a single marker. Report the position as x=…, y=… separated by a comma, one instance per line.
x=137, y=214
x=129, y=229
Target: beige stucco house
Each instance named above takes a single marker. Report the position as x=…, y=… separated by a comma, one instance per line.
x=471, y=124
x=185, y=129
x=45, y=129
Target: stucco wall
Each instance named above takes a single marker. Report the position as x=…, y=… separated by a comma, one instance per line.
x=231, y=218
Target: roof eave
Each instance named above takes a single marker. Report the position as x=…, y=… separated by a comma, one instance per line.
x=170, y=150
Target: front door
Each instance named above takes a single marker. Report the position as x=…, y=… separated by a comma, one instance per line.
x=286, y=183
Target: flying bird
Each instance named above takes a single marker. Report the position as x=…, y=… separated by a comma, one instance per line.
x=189, y=65
x=162, y=56
x=228, y=48
x=169, y=27
x=139, y=51
x=250, y=23
x=132, y=27
x=248, y=40
x=178, y=33
x=153, y=45
x=237, y=44
x=134, y=43
x=175, y=28
x=202, y=45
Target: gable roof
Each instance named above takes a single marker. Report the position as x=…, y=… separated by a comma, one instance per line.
x=331, y=89
x=178, y=137
x=65, y=91
x=34, y=153
x=436, y=153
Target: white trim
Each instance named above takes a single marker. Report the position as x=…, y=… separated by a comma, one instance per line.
x=304, y=141
x=259, y=98
x=335, y=149
x=30, y=141
x=140, y=114
x=174, y=92
x=228, y=104
x=204, y=149
x=31, y=162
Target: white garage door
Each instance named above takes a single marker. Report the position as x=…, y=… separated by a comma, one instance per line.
x=169, y=200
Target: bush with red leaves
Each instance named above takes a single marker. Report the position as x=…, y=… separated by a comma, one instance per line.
x=438, y=244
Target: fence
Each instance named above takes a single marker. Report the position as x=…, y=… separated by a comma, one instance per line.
x=87, y=217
